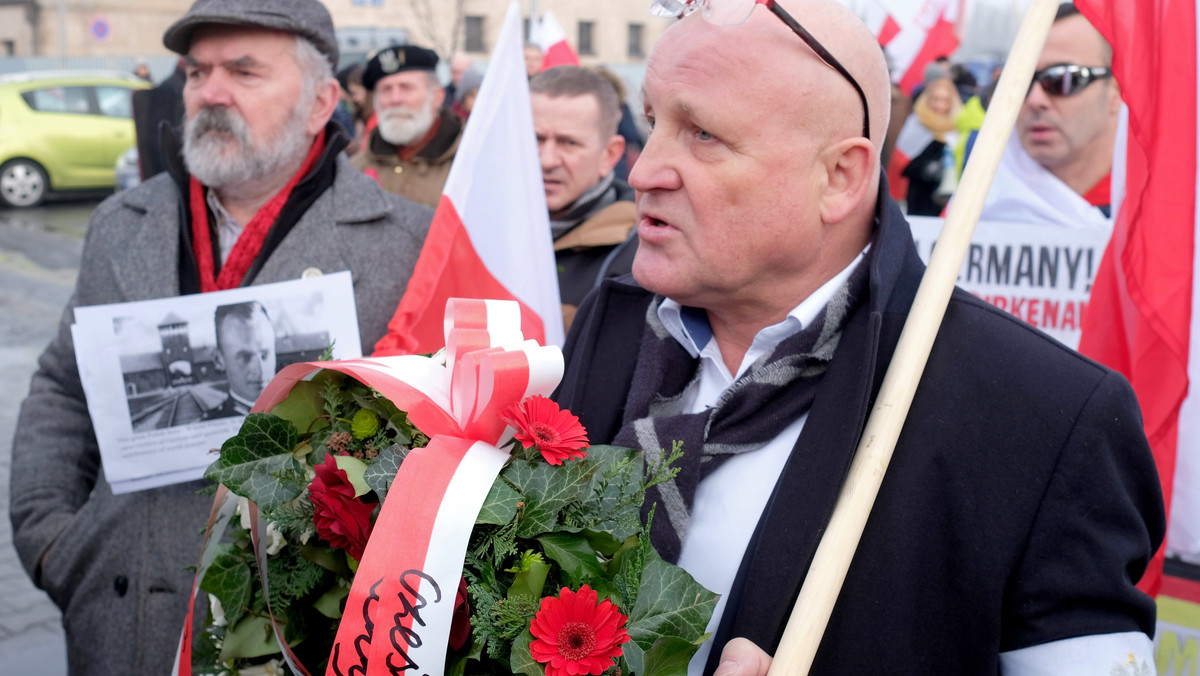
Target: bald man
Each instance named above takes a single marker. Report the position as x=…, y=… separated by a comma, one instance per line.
x=769, y=289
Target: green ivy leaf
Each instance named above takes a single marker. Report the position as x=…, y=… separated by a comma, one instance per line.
x=669, y=656
x=330, y=603
x=575, y=557
x=383, y=469
x=547, y=489
x=228, y=579
x=258, y=463
x=521, y=660
x=304, y=407
x=500, y=506
x=670, y=604
x=530, y=582
x=252, y=637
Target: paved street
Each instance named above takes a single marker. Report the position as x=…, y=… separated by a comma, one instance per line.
x=39, y=257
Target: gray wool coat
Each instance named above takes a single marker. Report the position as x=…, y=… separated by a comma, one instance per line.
x=115, y=565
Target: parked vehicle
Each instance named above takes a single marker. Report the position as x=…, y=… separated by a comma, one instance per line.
x=62, y=130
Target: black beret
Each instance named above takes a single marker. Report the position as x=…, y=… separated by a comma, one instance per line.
x=397, y=60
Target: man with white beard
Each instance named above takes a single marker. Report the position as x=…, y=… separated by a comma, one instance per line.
x=260, y=193
x=413, y=146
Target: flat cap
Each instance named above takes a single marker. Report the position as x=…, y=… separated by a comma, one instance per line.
x=306, y=18
x=397, y=59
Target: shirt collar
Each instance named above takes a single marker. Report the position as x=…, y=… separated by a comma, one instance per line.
x=690, y=328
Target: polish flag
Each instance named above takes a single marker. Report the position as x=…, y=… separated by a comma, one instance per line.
x=490, y=236
x=1143, y=314
x=912, y=139
x=879, y=18
x=929, y=31
x=551, y=37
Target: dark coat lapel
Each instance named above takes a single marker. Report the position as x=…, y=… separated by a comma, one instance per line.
x=787, y=535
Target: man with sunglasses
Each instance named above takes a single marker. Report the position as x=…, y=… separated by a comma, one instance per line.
x=771, y=282
x=1056, y=167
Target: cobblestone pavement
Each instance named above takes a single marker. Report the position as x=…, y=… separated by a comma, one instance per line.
x=39, y=258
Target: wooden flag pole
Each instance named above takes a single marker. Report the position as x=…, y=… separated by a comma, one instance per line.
x=810, y=615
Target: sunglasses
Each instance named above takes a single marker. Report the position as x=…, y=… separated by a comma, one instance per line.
x=736, y=12
x=1068, y=79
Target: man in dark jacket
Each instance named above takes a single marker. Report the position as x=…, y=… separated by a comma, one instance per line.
x=773, y=277
x=575, y=117
x=262, y=194
x=412, y=148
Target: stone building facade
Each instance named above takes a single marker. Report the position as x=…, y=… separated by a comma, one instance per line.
x=610, y=32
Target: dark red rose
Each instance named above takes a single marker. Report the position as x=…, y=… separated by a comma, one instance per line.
x=460, y=625
x=342, y=520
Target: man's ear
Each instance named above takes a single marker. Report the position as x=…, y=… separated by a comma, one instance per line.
x=613, y=150
x=218, y=360
x=327, y=97
x=850, y=167
x=439, y=97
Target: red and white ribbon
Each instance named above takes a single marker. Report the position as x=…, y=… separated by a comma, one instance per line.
x=398, y=613
x=399, y=610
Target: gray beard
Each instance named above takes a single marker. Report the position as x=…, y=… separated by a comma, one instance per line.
x=231, y=157
x=401, y=126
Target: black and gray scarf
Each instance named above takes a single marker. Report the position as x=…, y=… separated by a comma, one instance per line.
x=773, y=392
x=589, y=202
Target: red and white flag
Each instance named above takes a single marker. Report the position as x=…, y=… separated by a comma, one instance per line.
x=879, y=18
x=928, y=29
x=490, y=236
x=1143, y=317
x=550, y=36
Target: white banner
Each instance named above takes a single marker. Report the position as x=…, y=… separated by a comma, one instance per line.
x=1040, y=274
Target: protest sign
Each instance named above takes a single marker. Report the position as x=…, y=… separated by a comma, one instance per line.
x=162, y=390
x=1041, y=275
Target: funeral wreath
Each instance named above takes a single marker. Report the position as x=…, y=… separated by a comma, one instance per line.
x=559, y=575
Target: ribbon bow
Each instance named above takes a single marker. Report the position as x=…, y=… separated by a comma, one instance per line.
x=399, y=610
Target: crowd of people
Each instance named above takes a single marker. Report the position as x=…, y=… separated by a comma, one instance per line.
x=741, y=288
x=1056, y=169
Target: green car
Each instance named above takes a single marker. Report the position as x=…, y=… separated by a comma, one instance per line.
x=62, y=130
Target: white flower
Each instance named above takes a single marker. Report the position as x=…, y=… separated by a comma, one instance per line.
x=439, y=357
x=275, y=541
x=243, y=510
x=216, y=611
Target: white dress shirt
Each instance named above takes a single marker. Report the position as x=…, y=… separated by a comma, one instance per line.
x=730, y=500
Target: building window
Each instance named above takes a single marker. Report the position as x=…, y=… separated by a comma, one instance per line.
x=8, y=48
x=586, y=28
x=474, y=36
x=525, y=24
x=635, y=41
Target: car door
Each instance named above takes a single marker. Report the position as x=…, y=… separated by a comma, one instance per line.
x=62, y=134
x=114, y=126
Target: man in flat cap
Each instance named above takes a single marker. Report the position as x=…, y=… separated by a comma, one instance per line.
x=413, y=146
x=257, y=191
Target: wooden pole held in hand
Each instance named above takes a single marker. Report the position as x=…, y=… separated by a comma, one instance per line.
x=813, y=607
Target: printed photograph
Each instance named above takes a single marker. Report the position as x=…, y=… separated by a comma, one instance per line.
x=187, y=366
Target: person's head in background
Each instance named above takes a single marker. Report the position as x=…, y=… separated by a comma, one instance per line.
x=1068, y=122
x=533, y=59
x=245, y=348
x=405, y=92
x=575, y=116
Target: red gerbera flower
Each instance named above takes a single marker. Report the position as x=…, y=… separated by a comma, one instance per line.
x=573, y=635
x=556, y=433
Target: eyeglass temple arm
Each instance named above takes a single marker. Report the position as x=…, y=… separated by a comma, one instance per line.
x=824, y=54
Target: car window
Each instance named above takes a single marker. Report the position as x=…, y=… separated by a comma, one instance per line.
x=58, y=99
x=115, y=101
